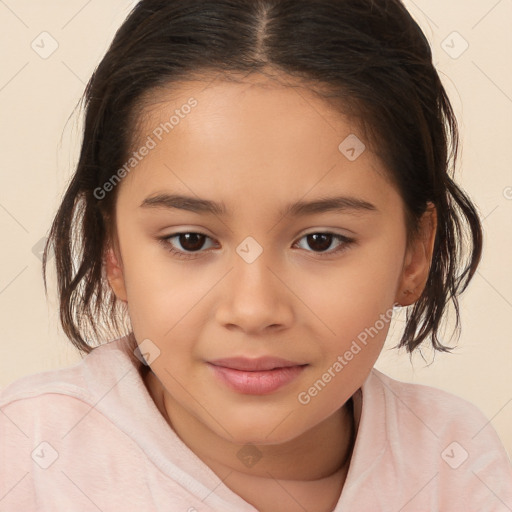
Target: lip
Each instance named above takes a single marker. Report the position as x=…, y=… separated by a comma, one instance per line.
x=258, y=376
x=254, y=364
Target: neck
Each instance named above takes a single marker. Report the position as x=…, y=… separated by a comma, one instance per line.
x=317, y=454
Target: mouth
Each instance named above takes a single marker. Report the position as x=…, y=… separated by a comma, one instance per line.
x=259, y=376
x=255, y=364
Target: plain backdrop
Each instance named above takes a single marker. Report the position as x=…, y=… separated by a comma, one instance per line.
x=50, y=49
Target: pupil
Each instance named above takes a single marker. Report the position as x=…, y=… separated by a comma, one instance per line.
x=322, y=246
x=190, y=238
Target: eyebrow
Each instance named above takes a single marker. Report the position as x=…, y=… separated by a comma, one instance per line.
x=340, y=204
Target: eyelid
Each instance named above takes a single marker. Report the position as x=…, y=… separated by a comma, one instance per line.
x=345, y=243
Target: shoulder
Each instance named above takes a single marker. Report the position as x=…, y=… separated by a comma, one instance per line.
x=74, y=381
x=50, y=420
x=53, y=404
x=436, y=407
x=428, y=435
x=39, y=399
x=69, y=380
x=429, y=413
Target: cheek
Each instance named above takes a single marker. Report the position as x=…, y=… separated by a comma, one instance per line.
x=159, y=293
x=352, y=294
x=356, y=309
x=346, y=362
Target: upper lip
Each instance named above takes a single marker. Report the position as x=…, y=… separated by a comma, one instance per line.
x=254, y=364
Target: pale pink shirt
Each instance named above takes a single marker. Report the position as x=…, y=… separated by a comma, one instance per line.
x=90, y=438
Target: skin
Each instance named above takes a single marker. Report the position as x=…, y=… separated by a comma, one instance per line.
x=257, y=146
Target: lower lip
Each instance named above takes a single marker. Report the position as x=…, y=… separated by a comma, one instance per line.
x=257, y=383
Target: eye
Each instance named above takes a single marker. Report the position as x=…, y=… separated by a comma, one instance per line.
x=192, y=242
x=323, y=240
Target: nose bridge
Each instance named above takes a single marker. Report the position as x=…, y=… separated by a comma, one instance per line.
x=255, y=297
x=252, y=268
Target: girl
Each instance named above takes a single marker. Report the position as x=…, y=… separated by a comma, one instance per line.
x=260, y=131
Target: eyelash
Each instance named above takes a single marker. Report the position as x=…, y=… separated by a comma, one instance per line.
x=347, y=242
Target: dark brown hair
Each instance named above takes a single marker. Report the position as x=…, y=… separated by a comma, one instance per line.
x=367, y=57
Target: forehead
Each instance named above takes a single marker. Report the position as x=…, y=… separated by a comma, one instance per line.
x=256, y=104
x=254, y=136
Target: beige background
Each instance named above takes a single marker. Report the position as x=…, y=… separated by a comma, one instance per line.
x=40, y=144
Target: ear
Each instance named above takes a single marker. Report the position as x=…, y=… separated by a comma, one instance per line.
x=418, y=259
x=114, y=272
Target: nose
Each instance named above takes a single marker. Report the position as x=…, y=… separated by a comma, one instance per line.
x=255, y=297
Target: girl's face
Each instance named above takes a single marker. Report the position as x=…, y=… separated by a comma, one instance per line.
x=313, y=288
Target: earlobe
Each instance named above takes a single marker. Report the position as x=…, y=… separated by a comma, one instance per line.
x=114, y=274
x=418, y=259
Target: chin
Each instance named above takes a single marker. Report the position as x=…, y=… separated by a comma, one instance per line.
x=259, y=439
x=260, y=429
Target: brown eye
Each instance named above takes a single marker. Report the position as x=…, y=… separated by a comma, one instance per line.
x=191, y=241
x=190, y=244
x=185, y=245
x=321, y=242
